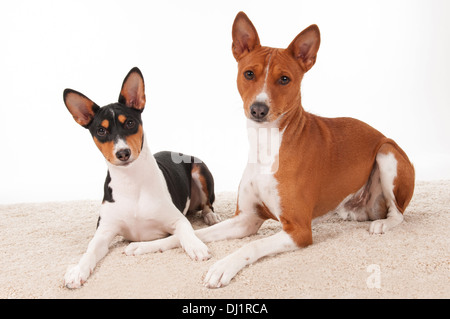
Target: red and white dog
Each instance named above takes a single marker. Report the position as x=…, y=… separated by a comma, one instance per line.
x=301, y=166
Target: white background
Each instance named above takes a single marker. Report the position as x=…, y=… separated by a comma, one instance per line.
x=384, y=62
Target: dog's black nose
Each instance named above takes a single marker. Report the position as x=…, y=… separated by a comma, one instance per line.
x=123, y=154
x=259, y=111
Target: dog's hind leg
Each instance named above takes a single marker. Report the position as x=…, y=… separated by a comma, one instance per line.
x=397, y=185
x=202, y=193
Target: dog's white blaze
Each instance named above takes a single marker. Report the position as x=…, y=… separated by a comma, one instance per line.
x=267, y=72
x=120, y=145
x=263, y=97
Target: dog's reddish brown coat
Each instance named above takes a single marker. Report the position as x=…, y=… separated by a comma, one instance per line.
x=321, y=160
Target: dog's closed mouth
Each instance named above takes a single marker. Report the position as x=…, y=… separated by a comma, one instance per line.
x=125, y=164
x=259, y=121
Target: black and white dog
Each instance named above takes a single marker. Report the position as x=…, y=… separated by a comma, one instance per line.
x=146, y=197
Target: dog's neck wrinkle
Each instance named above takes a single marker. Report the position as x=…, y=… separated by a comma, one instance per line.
x=293, y=121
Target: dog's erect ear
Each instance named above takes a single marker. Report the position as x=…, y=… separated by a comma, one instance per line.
x=305, y=46
x=245, y=37
x=81, y=107
x=132, y=93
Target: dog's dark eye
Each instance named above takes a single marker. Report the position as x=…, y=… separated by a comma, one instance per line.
x=101, y=131
x=249, y=75
x=129, y=124
x=284, y=80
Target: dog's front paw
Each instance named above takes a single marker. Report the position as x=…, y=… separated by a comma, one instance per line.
x=221, y=273
x=75, y=277
x=140, y=248
x=196, y=249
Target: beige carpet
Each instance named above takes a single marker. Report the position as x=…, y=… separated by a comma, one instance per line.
x=39, y=241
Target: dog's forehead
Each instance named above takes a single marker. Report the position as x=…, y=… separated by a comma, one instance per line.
x=258, y=56
x=114, y=111
x=113, y=114
x=266, y=55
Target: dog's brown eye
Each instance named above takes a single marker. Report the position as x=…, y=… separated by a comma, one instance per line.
x=284, y=80
x=101, y=131
x=130, y=124
x=249, y=75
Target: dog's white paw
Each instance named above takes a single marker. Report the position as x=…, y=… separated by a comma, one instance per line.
x=221, y=273
x=140, y=248
x=211, y=218
x=196, y=249
x=75, y=277
x=378, y=226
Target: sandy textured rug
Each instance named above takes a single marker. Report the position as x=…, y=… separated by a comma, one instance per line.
x=39, y=241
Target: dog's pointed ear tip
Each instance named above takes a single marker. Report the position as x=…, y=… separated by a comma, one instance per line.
x=135, y=70
x=240, y=16
x=67, y=92
x=134, y=73
x=311, y=34
x=314, y=28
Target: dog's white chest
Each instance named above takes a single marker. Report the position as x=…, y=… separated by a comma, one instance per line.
x=259, y=189
x=142, y=204
x=258, y=184
x=137, y=218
